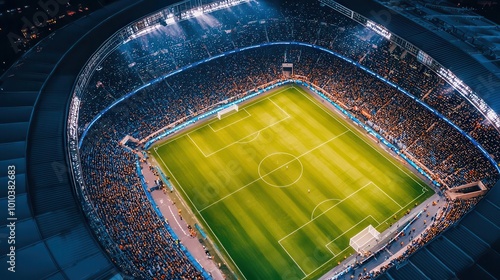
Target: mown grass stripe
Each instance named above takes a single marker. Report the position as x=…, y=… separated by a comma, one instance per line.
x=250, y=219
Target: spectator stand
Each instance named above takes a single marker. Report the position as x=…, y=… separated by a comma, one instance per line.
x=117, y=107
x=147, y=192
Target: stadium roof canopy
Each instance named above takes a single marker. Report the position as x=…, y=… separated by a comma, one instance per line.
x=475, y=240
x=482, y=76
x=53, y=239
x=468, y=250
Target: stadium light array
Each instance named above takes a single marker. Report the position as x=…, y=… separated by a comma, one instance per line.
x=470, y=95
x=212, y=7
x=463, y=89
x=170, y=19
x=379, y=29
x=197, y=13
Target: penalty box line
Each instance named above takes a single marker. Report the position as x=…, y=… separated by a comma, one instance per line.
x=379, y=223
x=409, y=203
x=215, y=130
x=286, y=251
x=343, y=233
x=400, y=207
x=175, y=138
x=279, y=107
x=326, y=245
x=247, y=116
x=328, y=209
x=334, y=255
x=327, y=261
x=194, y=142
x=239, y=140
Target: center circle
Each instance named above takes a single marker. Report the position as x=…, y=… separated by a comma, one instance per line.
x=280, y=169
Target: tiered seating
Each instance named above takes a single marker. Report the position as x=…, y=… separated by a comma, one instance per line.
x=112, y=185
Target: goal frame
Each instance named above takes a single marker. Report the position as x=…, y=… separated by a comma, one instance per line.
x=226, y=110
x=365, y=240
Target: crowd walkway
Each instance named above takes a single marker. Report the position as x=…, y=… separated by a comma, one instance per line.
x=173, y=215
x=431, y=208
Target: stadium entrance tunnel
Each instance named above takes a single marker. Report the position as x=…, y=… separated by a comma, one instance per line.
x=280, y=169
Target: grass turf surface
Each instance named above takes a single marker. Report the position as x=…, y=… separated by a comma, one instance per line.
x=284, y=183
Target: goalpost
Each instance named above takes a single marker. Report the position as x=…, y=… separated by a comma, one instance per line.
x=365, y=240
x=224, y=111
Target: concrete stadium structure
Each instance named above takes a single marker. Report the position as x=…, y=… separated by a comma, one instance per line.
x=53, y=237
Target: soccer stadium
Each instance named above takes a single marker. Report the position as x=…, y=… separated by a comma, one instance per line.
x=255, y=139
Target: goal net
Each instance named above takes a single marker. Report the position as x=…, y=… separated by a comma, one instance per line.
x=224, y=111
x=365, y=240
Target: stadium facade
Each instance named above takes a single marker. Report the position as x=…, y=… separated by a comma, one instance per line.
x=56, y=238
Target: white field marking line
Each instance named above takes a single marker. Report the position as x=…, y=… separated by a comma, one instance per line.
x=290, y=161
x=423, y=192
x=271, y=125
x=173, y=176
x=370, y=145
x=284, y=164
x=292, y=259
x=278, y=107
x=378, y=223
x=199, y=211
x=253, y=139
x=401, y=207
x=320, y=145
x=215, y=130
x=343, y=233
x=342, y=200
x=218, y=240
x=237, y=141
x=230, y=194
x=312, y=214
x=349, y=246
x=201, y=151
x=325, y=263
x=328, y=248
x=176, y=220
x=250, y=105
x=179, y=185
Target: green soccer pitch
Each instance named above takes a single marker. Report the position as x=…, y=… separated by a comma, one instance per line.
x=284, y=183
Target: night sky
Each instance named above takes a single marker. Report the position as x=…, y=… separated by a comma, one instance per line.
x=15, y=14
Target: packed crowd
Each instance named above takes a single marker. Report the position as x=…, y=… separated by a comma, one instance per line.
x=112, y=184
x=419, y=133
x=170, y=48
x=433, y=142
x=454, y=211
x=119, y=201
